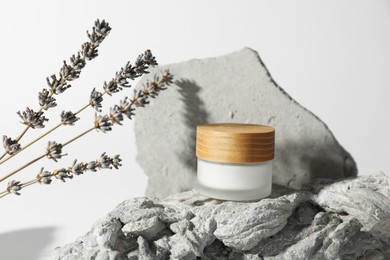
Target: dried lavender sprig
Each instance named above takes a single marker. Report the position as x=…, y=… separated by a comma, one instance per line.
x=139, y=99
x=141, y=66
x=151, y=89
x=130, y=72
x=45, y=177
x=68, y=72
x=102, y=123
x=78, y=61
x=103, y=162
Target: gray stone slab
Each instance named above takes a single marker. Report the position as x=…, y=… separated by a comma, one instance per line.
x=233, y=88
x=342, y=220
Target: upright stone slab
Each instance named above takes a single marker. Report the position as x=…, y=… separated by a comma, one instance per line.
x=233, y=88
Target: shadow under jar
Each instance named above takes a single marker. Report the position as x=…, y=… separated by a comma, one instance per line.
x=235, y=160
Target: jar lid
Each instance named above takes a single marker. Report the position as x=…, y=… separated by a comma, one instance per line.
x=235, y=143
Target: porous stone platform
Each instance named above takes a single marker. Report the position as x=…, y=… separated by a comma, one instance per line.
x=349, y=219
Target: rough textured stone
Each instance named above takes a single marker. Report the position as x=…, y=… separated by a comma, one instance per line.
x=343, y=220
x=232, y=88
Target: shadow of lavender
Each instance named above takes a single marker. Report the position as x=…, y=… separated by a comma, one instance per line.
x=194, y=113
x=26, y=243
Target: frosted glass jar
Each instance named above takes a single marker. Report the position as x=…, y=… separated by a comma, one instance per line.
x=235, y=161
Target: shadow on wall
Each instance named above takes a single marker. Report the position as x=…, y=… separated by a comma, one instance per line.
x=25, y=244
x=195, y=113
x=313, y=162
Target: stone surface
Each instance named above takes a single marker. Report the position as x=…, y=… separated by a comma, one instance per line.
x=349, y=219
x=232, y=88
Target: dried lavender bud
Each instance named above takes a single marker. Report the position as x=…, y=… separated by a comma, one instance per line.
x=102, y=27
x=62, y=174
x=157, y=84
x=103, y=123
x=138, y=99
x=126, y=108
x=111, y=87
x=167, y=77
x=140, y=66
x=115, y=115
x=68, y=118
x=57, y=86
x=44, y=177
x=68, y=72
x=77, y=168
x=92, y=166
x=149, y=90
x=121, y=79
x=143, y=62
x=149, y=59
x=32, y=118
x=11, y=146
x=14, y=187
x=130, y=72
x=77, y=61
x=89, y=50
x=54, y=150
x=115, y=162
x=104, y=161
x=46, y=101
x=99, y=31
x=95, y=37
x=96, y=99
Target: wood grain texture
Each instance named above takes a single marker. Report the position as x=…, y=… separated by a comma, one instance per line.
x=235, y=143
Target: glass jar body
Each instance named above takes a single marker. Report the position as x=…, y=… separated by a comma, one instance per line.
x=234, y=181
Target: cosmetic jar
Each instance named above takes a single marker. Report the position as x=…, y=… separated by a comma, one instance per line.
x=235, y=160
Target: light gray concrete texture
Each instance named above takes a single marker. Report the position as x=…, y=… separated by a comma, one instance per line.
x=349, y=219
x=232, y=88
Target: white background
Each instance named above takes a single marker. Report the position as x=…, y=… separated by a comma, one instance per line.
x=333, y=57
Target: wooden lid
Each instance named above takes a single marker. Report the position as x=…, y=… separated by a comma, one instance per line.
x=235, y=143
